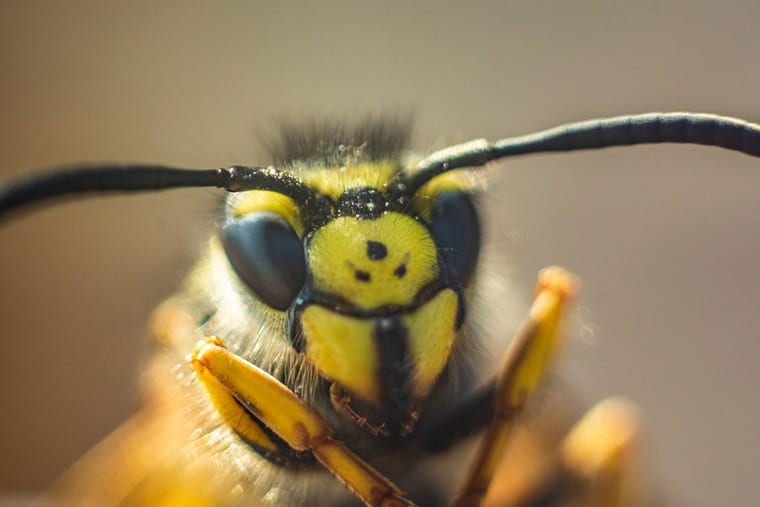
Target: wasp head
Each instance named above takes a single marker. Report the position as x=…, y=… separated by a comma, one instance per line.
x=371, y=276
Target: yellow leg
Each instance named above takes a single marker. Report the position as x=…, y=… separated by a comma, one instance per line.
x=602, y=456
x=287, y=416
x=598, y=463
x=527, y=360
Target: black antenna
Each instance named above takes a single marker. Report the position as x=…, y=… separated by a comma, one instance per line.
x=63, y=182
x=691, y=128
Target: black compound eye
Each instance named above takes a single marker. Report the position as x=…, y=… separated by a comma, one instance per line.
x=267, y=255
x=456, y=232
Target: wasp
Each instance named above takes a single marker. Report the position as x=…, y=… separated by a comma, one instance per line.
x=322, y=350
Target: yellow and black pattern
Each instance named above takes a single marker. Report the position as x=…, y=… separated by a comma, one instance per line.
x=378, y=317
x=320, y=352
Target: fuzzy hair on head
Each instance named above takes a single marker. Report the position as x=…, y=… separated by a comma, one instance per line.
x=332, y=143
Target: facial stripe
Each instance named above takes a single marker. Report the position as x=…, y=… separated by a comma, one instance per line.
x=395, y=363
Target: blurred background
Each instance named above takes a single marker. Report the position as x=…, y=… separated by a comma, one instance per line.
x=665, y=238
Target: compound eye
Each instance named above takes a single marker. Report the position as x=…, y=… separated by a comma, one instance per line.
x=456, y=232
x=267, y=255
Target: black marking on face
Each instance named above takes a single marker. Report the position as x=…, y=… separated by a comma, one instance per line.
x=376, y=250
x=395, y=365
x=400, y=271
x=364, y=203
x=359, y=274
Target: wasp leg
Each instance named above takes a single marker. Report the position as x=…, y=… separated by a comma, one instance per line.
x=596, y=464
x=235, y=415
x=287, y=416
x=601, y=456
x=527, y=359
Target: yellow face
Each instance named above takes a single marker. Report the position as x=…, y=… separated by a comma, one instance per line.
x=371, y=289
x=373, y=263
x=390, y=318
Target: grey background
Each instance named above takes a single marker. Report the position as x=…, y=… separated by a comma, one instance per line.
x=665, y=239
